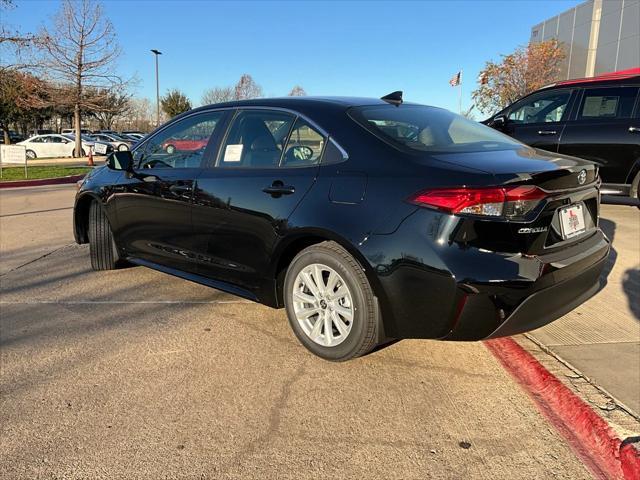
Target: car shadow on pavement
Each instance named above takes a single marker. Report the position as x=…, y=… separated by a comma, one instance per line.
x=631, y=278
x=609, y=229
x=631, y=286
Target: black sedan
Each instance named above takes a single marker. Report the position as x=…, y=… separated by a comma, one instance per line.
x=366, y=219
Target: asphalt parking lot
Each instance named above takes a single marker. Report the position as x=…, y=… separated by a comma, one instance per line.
x=136, y=374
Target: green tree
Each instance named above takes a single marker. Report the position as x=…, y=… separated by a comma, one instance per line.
x=519, y=73
x=175, y=102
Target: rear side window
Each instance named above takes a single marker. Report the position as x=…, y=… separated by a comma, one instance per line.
x=256, y=139
x=305, y=146
x=430, y=129
x=607, y=103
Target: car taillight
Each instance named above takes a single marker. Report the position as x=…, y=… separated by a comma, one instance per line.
x=491, y=201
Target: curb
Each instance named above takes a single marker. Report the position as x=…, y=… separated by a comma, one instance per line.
x=588, y=434
x=42, y=181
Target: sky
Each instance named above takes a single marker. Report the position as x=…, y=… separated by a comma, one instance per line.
x=355, y=48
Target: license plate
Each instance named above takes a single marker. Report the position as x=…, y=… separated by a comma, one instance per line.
x=572, y=220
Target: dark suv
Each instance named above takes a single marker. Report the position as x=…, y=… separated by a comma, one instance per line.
x=593, y=118
x=366, y=219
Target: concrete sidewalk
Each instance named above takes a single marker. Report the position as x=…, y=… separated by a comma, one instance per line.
x=601, y=338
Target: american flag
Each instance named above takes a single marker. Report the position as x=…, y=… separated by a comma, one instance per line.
x=456, y=79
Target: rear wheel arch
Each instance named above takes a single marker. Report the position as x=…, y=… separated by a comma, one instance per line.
x=287, y=251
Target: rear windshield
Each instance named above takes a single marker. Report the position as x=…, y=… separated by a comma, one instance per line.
x=430, y=129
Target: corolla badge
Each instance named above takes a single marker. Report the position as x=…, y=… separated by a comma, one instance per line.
x=533, y=230
x=582, y=177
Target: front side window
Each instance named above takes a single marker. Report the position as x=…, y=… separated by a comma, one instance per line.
x=607, y=103
x=430, y=129
x=545, y=108
x=304, y=147
x=180, y=145
x=256, y=139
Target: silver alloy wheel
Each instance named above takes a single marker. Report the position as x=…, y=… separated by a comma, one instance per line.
x=323, y=305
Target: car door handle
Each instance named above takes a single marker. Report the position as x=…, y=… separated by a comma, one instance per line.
x=546, y=132
x=634, y=129
x=278, y=188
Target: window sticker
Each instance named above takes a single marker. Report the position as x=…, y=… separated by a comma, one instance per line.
x=600, y=107
x=233, y=153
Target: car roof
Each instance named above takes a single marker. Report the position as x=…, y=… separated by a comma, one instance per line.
x=307, y=103
x=631, y=75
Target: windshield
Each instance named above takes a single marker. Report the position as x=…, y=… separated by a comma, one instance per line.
x=430, y=129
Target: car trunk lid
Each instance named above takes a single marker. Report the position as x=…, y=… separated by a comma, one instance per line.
x=567, y=214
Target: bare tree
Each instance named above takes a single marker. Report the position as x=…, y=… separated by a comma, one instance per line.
x=217, y=95
x=14, y=44
x=142, y=114
x=297, y=91
x=247, y=88
x=80, y=49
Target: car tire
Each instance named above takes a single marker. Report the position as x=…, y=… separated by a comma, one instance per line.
x=122, y=148
x=345, y=302
x=82, y=153
x=31, y=154
x=170, y=149
x=102, y=248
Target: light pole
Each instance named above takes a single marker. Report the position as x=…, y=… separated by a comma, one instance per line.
x=156, y=53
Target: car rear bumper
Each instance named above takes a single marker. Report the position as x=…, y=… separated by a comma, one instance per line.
x=452, y=293
x=551, y=303
x=567, y=279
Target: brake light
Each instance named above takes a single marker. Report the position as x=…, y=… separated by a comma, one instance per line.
x=492, y=201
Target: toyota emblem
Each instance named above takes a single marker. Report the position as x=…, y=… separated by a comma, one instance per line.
x=582, y=177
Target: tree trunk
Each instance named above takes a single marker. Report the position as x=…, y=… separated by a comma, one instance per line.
x=7, y=138
x=76, y=109
x=76, y=126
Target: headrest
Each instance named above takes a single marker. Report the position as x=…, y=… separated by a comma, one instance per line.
x=263, y=143
x=426, y=137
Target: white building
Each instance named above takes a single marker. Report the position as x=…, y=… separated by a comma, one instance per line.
x=599, y=36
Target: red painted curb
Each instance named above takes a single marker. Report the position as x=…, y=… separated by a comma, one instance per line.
x=589, y=435
x=42, y=181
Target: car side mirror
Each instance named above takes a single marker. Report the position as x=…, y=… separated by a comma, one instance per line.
x=121, y=160
x=499, y=122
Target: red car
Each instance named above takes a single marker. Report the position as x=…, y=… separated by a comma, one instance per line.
x=185, y=144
